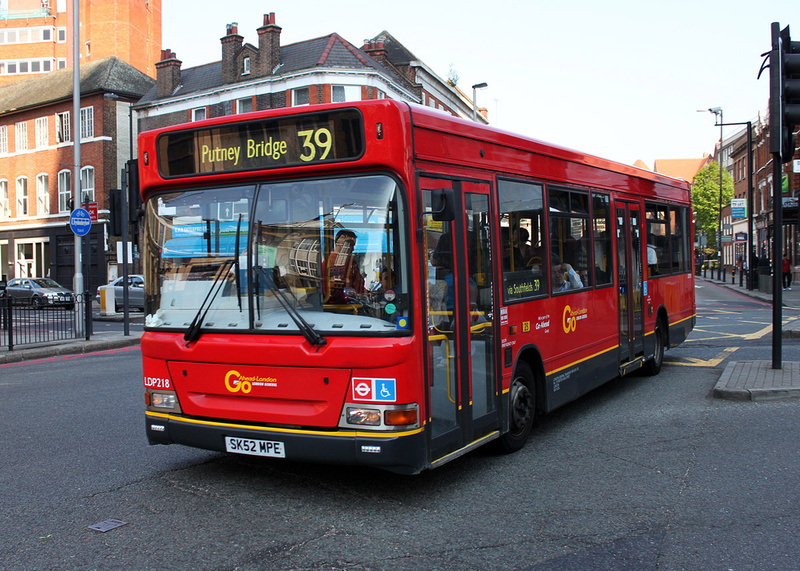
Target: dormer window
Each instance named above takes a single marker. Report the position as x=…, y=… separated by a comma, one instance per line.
x=246, y=66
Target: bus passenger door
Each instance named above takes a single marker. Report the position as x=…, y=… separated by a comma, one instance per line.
x=462, y=379
x=629, y=274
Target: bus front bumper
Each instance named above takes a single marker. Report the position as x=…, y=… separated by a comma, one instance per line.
x=400, y=452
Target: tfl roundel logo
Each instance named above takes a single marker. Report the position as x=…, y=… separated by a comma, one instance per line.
x=374, y=390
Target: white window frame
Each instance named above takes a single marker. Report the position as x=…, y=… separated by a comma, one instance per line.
x=63, y=127
x=21, y=136
x=64, y=189
x=199, y=114
x=248, y=101
x=3, y=139
x=246, y=66
x=347, y=93
x=87, y=185
x=42, y=194
x=23, y=207
x=42, y=132
x=305, y=92
x=87, y=123
x=5, y=208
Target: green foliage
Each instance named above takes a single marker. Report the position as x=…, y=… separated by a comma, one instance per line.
x=705, y=198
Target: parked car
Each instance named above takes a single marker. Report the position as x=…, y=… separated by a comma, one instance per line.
x=135, y=292
x=39, y=293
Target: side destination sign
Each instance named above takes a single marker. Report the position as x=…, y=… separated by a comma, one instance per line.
x=269, y=143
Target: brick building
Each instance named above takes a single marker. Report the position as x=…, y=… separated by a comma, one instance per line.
x=36, y=165
x=269, y=75
x=36, y=36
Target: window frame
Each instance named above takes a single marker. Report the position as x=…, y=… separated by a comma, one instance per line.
x=42, y=194
x=23, y=200
x=64, y=176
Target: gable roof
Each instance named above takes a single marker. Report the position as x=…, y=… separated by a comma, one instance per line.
x=331, y=51
x=681, y=168
x=109, y=74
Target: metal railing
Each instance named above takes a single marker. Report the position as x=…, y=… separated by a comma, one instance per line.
x=27, y=324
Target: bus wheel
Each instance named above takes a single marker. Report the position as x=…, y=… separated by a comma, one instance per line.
x=653, y=366
x=521, y=410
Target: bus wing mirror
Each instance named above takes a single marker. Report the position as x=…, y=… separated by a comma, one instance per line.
x=443, y=207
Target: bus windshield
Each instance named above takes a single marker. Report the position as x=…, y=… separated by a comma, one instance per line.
x=317, y=257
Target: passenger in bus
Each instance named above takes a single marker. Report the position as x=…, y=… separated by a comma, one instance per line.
x=652, y=256
x=563, y=276
x=521, y=237
x=345, y=281
x=442, y=260
x=513, y=260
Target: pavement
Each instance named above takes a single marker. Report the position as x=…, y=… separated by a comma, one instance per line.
x=741, y=380
x=757, y=380
x=97, y=342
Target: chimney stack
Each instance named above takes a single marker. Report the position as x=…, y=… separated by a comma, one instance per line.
x=269, y=47
x=375, y=49
x=168, y=74
x=231, y=44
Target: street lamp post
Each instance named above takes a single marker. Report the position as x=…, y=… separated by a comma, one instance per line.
x=475, y=89
x=717, y=111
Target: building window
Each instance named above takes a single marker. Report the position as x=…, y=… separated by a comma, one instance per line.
x=300, y=96
x=22, y=196
x=87, y=123
x=62, y=35
x=42, y=195
x=62, y=63
x=21, y=136
x=246, y=66
x=198, y=114
x=244, y=105
x=5, y=209
x=42, y=135
x=64, y=190
x=62, y=127
x=87, y=184
x=3, y=139
x=342, y=93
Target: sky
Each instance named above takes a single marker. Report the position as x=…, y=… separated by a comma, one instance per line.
x=621, y=79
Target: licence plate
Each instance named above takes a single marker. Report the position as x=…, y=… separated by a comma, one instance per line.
x=269, y=448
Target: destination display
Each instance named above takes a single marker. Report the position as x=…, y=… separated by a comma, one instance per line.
x=256, y=145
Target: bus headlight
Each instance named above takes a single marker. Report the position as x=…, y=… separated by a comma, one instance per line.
x=363, y=416
x=160, y=400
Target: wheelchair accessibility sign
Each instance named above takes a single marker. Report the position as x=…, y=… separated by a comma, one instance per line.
x=374, y=390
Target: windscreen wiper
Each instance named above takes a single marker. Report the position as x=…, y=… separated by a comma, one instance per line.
x=193, y=333
x=237, y=278
x=311, y=334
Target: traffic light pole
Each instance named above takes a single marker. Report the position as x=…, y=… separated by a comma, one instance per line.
x=784, y=115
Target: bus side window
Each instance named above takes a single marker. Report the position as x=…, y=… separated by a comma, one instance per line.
x=522, y=239
x=570, y=242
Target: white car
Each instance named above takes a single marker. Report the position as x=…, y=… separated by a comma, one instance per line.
x=135, y=292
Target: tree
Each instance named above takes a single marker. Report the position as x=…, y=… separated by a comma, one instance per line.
x=705, y=197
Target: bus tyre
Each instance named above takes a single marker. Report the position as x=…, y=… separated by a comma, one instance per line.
x=521, y=410
x=653, y=366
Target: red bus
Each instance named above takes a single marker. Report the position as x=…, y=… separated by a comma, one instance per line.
x=381, y=284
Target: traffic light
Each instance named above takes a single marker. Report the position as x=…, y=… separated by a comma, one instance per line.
x=784, y=92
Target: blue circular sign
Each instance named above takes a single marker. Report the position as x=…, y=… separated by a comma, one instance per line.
x=80, y=222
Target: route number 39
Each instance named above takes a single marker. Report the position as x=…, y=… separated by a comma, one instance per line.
x=314, y=141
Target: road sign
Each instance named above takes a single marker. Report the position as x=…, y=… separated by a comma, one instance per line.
x=80, y=222
x=91, y=207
